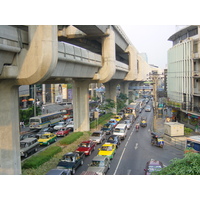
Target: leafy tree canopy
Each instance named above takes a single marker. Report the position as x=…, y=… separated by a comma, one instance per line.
x=189, y=165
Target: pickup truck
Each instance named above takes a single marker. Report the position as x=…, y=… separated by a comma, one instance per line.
x=72, y=161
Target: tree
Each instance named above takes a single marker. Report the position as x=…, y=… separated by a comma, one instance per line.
x=121, y=101
x=108, y=105
x=189, y=165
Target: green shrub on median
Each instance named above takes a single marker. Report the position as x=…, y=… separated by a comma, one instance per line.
x=102, y=120
x=42, y=157
x=70, y=138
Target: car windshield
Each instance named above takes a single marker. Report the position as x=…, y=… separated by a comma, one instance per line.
x=68, y=159
x=111, y=138
x=60, y=123
x=97, y=163
x=106, y=148
x=96, y=134
x=154, y=168
x=84, y=145
x=44, y=136
x=106, y=126
x=34, y=120
x=23, y=144
x=127, y=121
x=117, y=130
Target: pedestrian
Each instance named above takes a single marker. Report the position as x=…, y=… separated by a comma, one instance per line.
x=43, y=109
x=23, y=124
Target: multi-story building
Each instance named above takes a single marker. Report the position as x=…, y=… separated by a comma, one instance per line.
x=183, y=75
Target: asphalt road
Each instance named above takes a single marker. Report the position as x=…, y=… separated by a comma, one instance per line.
x=135, y=151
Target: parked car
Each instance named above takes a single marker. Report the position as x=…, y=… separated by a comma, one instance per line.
x=114, y=139
x=71, y=161
x=63, y=131
x=47, y=138
x=128, y=123
x=98, y=136
x=153, y=165
x=59, y=125
x=28, y=146
x=114, y=122
x=148, y=108
x=59, y=172
x=107, y=128
x=107, y=149
x=87, y=147
x=99, y=165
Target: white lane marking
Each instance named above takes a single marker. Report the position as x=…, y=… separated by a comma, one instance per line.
x=119, y=161
x=122, y=153
x=128, y=172
x=136, y=146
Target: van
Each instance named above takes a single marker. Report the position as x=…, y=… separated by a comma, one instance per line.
x=121, y=130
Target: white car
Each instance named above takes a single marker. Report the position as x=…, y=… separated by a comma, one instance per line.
x=59, y=125
x=128, y=123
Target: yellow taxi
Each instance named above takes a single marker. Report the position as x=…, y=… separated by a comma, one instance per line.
x=47, y=138
x=108, y=150
x=117, y=118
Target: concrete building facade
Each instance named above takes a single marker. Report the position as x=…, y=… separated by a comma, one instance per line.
x=183, y=74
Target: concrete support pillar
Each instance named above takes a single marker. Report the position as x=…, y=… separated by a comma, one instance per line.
x=108, y=58
x=81, y=105
x=44, y=93
x=124, y=89
x=10, y=162
x=111, y=91
x=131, y=96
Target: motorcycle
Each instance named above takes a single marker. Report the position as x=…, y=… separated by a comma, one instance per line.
x=137, y=128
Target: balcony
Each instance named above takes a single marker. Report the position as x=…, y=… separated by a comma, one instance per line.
x=196, y=56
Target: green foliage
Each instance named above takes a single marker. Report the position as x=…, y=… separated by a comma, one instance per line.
x=25, y=115
x=187, y=131
x=70, y=138
x=42, y=157
x=108, y=105
x=189, y=165
x=102, y=120
x=121, y=101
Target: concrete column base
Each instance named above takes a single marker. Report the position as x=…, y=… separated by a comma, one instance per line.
x=10, y=161
x=111, y=92
x=81, y=105
x=124, y=89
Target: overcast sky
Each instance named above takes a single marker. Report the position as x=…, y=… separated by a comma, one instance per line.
x=151, y=39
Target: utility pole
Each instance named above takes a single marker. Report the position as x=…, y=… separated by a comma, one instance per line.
x=154, y=77
x=34, y=100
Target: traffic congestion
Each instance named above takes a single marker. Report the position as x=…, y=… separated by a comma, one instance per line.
x=104, y=151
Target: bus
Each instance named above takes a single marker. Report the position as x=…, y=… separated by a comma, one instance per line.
x=43, y=121
x=134, y=109
x=67, y=113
